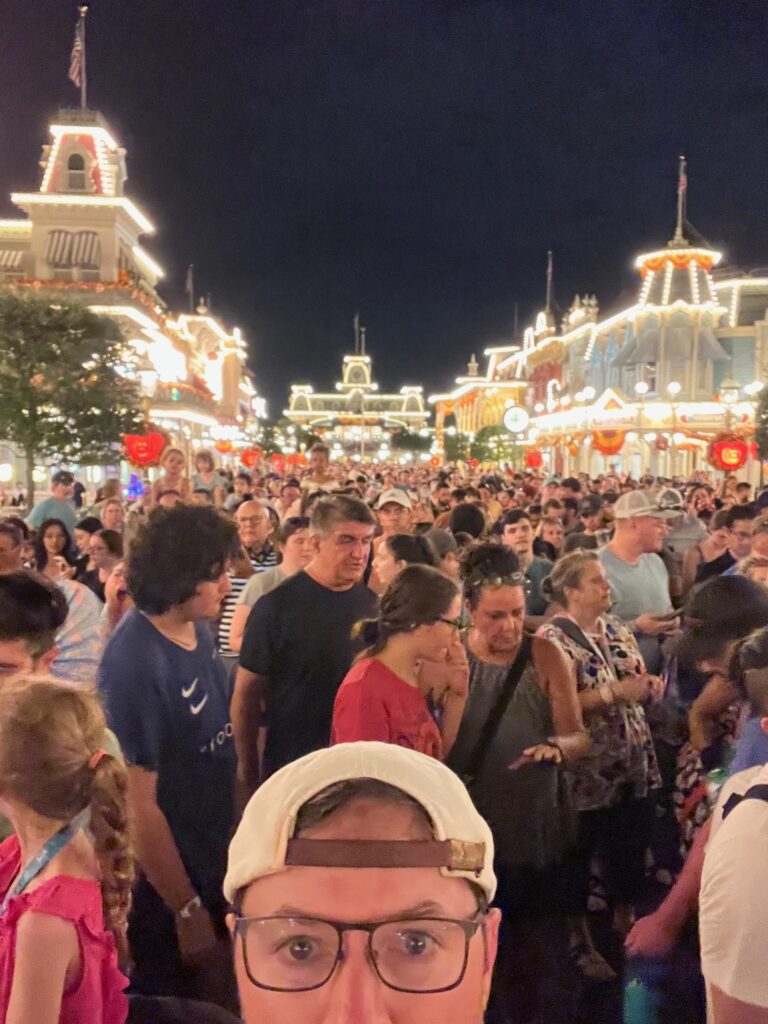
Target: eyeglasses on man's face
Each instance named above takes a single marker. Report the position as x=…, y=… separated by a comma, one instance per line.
x=298, y=954
x=252, y=520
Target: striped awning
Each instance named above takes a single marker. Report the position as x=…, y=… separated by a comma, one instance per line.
x=10, y=259
x=86, y=250
x=59, y=251
x=74, y=249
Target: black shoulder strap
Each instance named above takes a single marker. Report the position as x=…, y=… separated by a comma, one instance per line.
x=493, y=721
x=754, y=793
x=576, y=633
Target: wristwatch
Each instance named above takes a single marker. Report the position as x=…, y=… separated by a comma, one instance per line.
x=189, y=908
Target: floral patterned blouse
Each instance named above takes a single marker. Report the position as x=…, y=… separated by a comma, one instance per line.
x=622, y=760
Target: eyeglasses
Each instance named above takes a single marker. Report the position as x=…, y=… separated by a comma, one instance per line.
x=456, y=623
x=297, y=954
x=252, y=520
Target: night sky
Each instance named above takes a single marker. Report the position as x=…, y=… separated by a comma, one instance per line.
x=412, y=159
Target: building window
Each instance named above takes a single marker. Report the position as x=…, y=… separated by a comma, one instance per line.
x=76, y=173
x=650, y=376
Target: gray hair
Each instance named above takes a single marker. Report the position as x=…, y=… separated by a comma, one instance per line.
x=329, y=513
x=567, y=574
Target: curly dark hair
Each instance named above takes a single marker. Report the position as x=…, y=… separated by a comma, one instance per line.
x=174, y=552
x=487, y=564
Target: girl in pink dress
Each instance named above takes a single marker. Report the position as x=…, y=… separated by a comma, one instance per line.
x=66, y=874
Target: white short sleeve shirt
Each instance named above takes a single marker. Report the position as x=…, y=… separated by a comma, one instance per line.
x=733, y=903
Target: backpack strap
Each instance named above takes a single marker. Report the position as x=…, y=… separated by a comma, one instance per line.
x=759, y=792
x=493, y=721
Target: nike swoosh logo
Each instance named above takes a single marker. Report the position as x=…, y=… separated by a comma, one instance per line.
x=187, y=691
x=197, y=708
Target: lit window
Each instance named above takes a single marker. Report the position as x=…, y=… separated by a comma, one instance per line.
x=76, y=173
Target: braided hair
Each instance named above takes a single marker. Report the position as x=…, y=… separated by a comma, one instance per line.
x=52, y=760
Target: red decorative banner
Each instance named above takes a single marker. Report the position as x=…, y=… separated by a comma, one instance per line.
x=608, y=442
x=728, y=452
x=144, y=450
x=250, y=457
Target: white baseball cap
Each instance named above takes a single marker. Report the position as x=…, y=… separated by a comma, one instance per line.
x=395, y=494
x=639, y=503
x=264, y=843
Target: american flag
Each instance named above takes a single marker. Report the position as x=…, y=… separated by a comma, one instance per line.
x=76, y=57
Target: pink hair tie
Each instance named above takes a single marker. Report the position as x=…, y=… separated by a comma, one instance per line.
x=96, y=759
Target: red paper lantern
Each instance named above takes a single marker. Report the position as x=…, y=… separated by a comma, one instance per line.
x=728, y=453
x=144, y=450
x=534, y=459
x=278, y=462
x=608, y=442
x=250, y=457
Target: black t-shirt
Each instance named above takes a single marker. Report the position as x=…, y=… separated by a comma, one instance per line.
x=299, y=637
x=169, y=709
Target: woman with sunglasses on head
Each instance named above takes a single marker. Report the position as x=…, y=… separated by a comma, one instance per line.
x=522, y=719
x=414, y=657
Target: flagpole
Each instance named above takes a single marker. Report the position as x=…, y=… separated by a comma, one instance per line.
x=83, y=78
x=549, y=281
x=682, y=187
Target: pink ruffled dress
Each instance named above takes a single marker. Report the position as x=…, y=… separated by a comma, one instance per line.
x=98, y=997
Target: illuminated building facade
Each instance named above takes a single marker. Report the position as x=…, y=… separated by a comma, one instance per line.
x=649, y=387
x=357, y=417
x=81, y=240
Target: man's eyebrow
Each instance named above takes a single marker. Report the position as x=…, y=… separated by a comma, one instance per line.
x=427, y=908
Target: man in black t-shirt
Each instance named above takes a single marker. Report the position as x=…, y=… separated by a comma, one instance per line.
x=298, y=646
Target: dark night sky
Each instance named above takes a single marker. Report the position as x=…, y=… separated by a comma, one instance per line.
x=414, y=159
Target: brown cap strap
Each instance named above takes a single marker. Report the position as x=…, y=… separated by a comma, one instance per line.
x=364, y=853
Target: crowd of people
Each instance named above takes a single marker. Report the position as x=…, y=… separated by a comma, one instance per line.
x=489, y=744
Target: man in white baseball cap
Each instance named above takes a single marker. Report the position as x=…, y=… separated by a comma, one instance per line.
x=360, y=878
x=638, y=577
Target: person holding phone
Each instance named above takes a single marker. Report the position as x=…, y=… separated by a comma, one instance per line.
x=614, y=785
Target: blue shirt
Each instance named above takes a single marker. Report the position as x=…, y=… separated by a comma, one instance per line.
x=751, y=748
x=52, y=508
x=168, y=708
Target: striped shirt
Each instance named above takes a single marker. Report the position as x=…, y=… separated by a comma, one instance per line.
x=261, y=561
x=227, y=610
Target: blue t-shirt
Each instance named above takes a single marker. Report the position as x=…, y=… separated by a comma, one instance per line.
x=751, y=748
x=168, y=708
x=52, y=508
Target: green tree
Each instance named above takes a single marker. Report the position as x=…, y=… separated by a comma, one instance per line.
x=410, y=441
x=495, y=444
x=761, y=429
x=61, y=396
x=456, y=447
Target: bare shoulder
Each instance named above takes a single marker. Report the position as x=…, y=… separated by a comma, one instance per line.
x=48, y=933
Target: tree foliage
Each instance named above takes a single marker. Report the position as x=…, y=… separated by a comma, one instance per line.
x=761, y=425
x=456, y=447
x=62, y=398
x=410, y=441
x=495, y=444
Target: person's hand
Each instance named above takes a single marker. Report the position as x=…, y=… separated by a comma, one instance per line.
x=446, y=677
x=544, y=752
x=651, y=936
x=655, y=625
x=632, y=688
x=655, y=686
x=196, y=936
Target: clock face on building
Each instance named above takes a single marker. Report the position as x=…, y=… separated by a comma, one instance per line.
x=516, y=419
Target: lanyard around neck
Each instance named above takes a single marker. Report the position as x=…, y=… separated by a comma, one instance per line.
x=51, y=848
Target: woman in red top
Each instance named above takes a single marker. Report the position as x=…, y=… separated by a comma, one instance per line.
x=66, y=874
x=415, y=656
